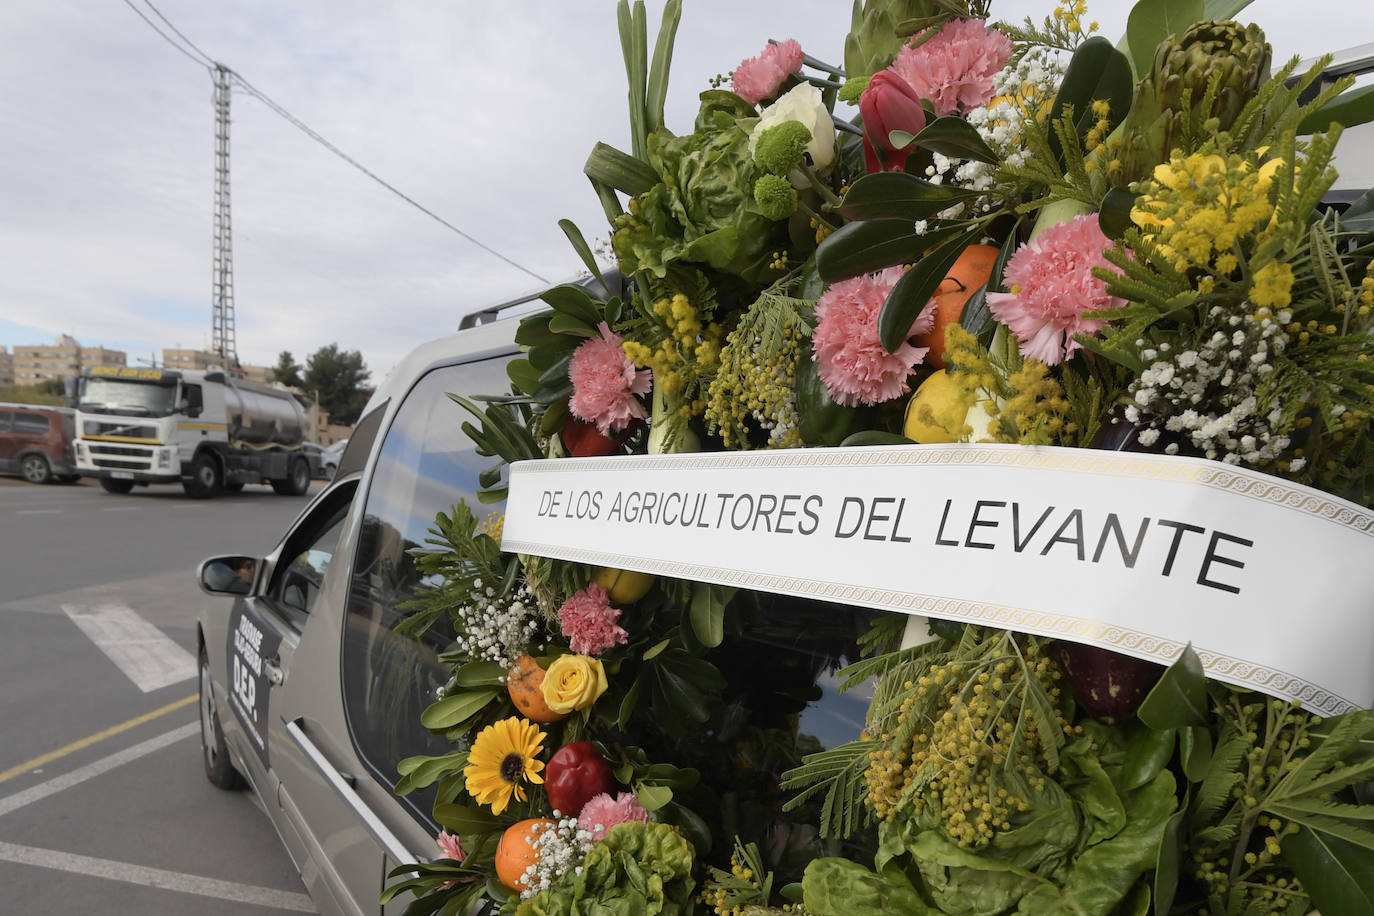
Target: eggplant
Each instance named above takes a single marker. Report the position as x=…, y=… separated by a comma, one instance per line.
x=1109, y=685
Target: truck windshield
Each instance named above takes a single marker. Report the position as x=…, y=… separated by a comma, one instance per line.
x=127, y=398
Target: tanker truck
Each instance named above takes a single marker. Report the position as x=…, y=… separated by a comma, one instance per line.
x=205, y=429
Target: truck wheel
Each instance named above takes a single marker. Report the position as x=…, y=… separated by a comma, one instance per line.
x=35, y=469
x=204, y=480
x=213, y=751
x=297, y=482
x=111, y=485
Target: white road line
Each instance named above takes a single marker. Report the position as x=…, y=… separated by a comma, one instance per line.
x=156, y=877
x=141, y=651
x=91, y=770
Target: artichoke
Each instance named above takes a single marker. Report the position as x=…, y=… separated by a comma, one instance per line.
x=879, y=28
x=1170, y=97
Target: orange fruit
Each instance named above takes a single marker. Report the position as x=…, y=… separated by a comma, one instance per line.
x=516, y=851
x=523, y=684
x=970, y=271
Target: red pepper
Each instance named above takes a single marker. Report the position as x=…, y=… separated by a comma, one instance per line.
x=576, y=773
x=584, y=440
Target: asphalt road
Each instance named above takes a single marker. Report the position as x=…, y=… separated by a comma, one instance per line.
x=104, y=807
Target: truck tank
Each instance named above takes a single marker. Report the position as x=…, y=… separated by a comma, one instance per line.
x=262, y=416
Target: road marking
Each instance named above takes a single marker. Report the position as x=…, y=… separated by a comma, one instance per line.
x=159, y=878
x=50, y=756
x=141, y=651
x=91, y=770
x=120, y=508
x=37, y=511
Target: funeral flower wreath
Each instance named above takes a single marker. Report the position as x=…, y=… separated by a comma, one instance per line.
x=971, y=231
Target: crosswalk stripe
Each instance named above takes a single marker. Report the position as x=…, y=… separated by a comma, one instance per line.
x=141, y=650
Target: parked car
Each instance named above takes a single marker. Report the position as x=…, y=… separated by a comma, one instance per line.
x=331, y=456
x=308, y=692
x=36, y=442
x=315, y=455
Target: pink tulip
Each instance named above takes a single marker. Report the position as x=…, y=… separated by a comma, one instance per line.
x=889, y=104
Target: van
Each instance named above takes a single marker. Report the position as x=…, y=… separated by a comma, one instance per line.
x=36, y=442
x=308, y=692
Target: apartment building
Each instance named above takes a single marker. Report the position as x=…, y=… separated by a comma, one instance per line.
x=66, y=357
x=6, y=367
x=180, y=358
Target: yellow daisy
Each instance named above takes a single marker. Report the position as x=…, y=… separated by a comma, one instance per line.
x=502, y=756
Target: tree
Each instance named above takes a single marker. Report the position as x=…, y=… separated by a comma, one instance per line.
x=287, y=370
x=338, y=380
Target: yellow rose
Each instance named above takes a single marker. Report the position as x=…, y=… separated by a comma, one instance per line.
x=573, y=682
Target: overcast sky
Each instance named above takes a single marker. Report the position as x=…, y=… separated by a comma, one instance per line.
x=483, y=112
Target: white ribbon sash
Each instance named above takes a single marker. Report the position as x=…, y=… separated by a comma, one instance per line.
x=1272, y=582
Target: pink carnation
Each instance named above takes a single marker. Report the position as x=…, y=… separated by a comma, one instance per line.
x=449, y=845
x=605, y=383
x=758, y=78
x=852, y=363
x=589, y=621
x=1052, y=286
x=602, y=812
x=954, y=67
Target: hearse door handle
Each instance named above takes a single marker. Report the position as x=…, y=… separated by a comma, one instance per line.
x=275, y=674
x=340, y=782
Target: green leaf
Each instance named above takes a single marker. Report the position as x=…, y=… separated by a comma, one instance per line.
x=573, y=301
x=1349, y=109
x=533, y=330
x=1180, y=698
x=523, y=375
x=1114, y=214
x=1152, y=21
x=653, y=797
x=708, y=612
x=1096, y=71
x=630, y=701
x=956, y=138
x=1195, y=752
x=481, y=674
x=911, y=293
x=1337, y=875
x=584, y=251
x=634, y=43
x=1146, y=754
x=656, y=89
x=611, y=167
x=655, y=649
x=466, y=820
x=865, y=246
x=455, y=709
x=1169, y=861
x=897, y=195
x=567, y=324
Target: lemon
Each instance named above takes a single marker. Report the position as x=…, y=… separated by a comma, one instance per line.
x=623, y=586
x=940, y=394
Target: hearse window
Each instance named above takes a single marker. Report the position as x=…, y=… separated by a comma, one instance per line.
x=299, y=577
x=425, y=466
x=6, y=418
x=25, y=422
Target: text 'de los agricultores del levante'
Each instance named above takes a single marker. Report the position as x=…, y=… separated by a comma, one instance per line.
x=1141, y=553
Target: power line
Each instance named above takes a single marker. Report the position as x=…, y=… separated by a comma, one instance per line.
x=165, y=37
x=208, y=62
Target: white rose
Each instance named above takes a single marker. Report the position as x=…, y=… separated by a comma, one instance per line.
x=802, y=104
